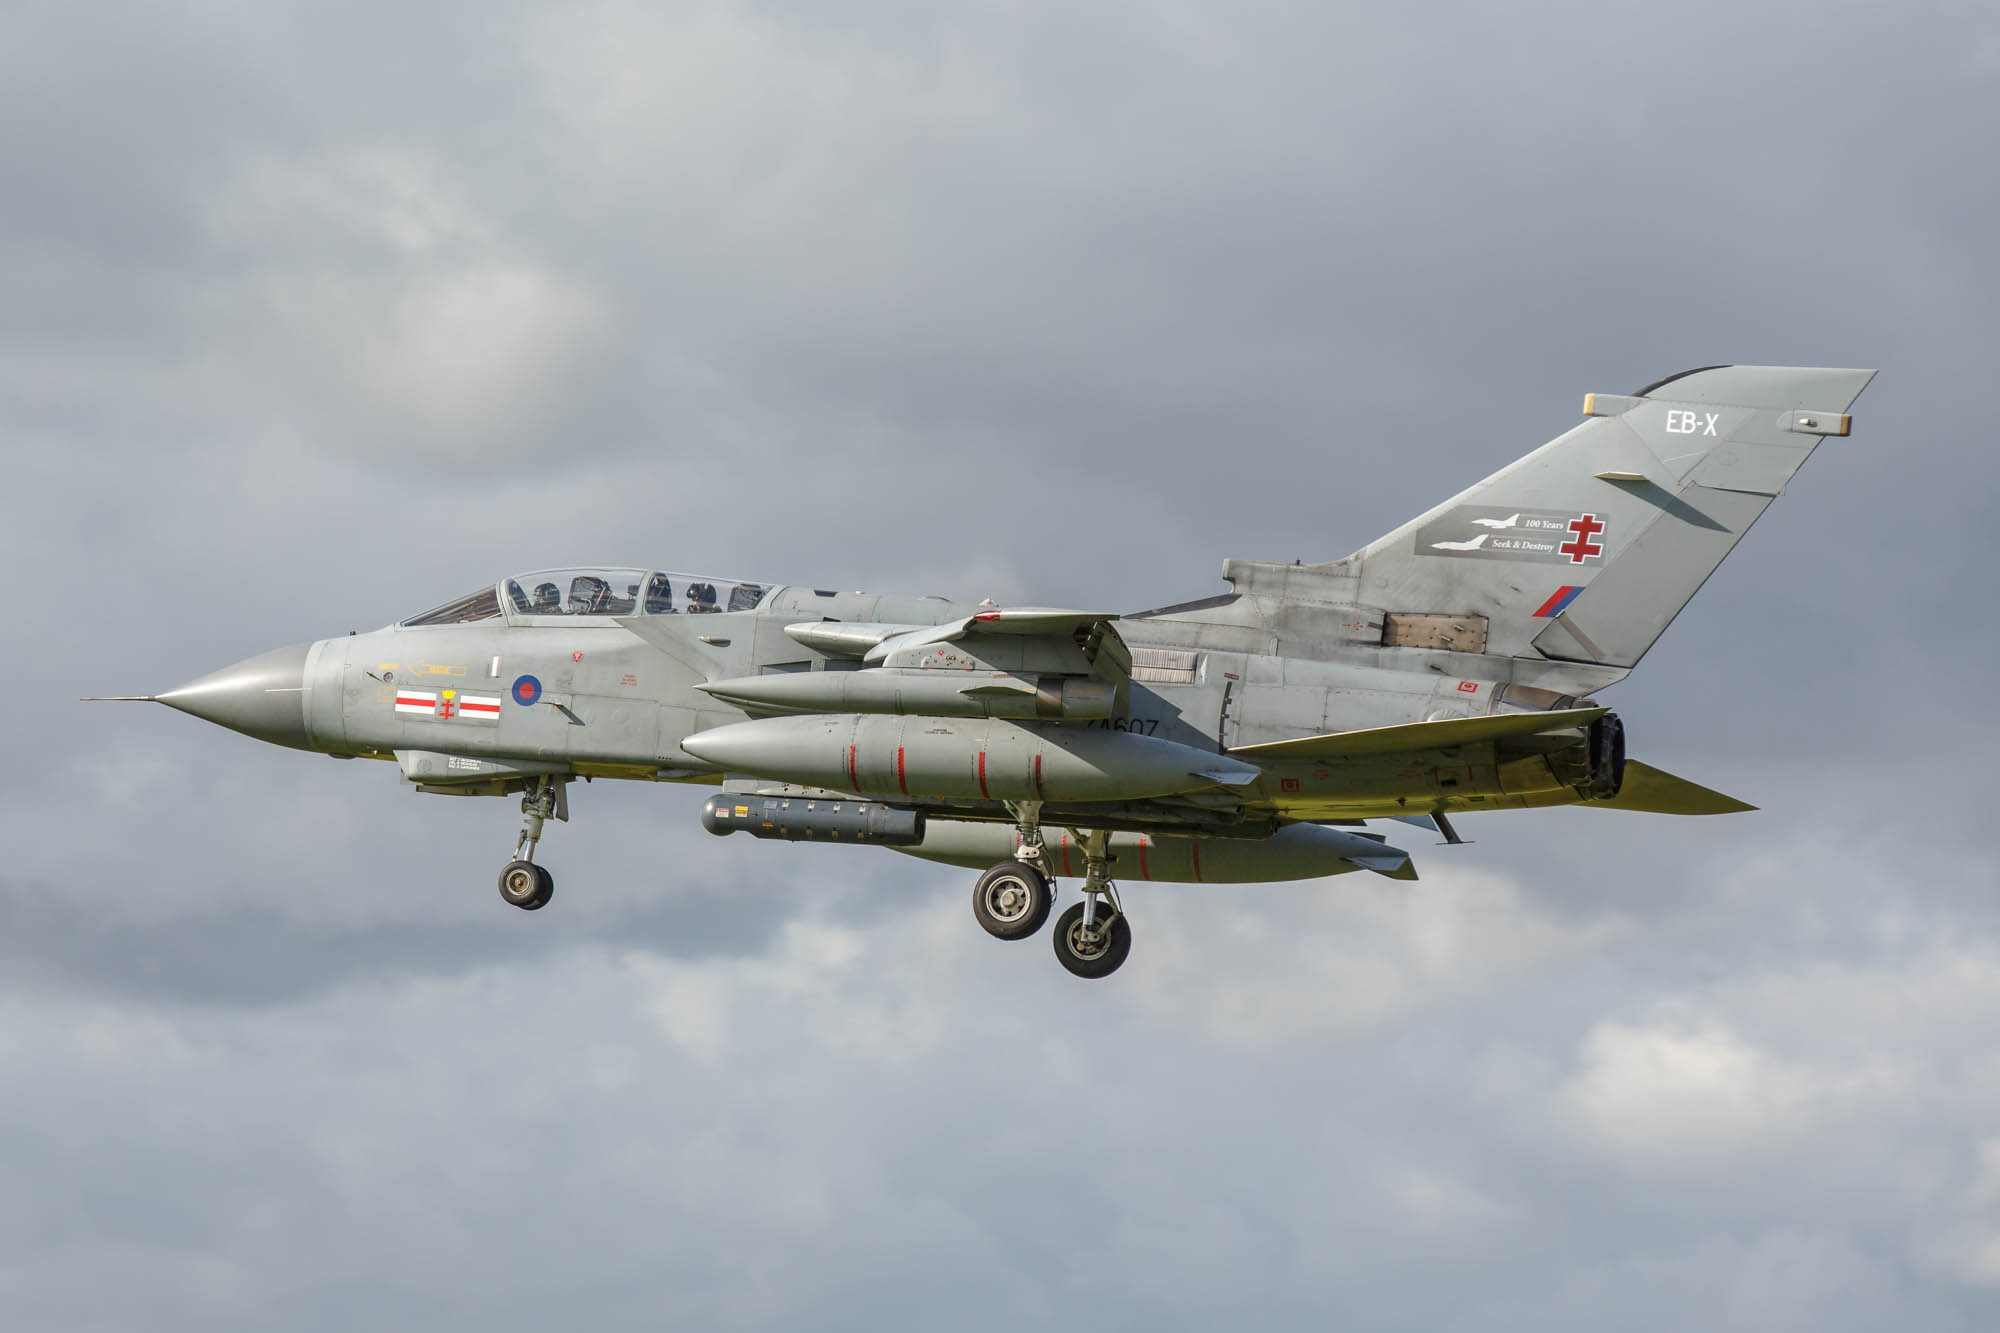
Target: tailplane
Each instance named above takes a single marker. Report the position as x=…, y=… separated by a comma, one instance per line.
x=1586, y=549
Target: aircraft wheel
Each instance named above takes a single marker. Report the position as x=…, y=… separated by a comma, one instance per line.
x=1012, y=900
x=526, y=885
x=1096, y=953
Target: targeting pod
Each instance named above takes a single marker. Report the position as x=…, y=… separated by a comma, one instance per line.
x=813, y=819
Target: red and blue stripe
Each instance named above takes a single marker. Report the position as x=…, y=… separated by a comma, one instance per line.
x=1558, y=600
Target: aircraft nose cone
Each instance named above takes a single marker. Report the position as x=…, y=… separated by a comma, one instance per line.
x=733, y=745
x=262, y=696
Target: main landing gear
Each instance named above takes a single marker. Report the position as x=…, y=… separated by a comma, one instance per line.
x=523, y=883
x=1013, y=899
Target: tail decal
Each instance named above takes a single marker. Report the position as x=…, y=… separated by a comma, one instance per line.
x=1586, y=549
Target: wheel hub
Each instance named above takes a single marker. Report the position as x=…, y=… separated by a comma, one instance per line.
x=1088, y=942
x=1009, y=901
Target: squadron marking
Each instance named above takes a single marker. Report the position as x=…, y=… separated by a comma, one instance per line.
x=1582, y=548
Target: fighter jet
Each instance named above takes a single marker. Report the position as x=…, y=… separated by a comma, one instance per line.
x=1449, y=667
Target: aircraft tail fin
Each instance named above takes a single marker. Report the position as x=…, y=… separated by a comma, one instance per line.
x=1586, y=549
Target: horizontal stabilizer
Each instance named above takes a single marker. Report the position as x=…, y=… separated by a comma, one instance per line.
x=1647, y=788
x=1416, y=736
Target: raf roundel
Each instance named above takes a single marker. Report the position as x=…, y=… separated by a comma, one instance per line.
x=527, y=689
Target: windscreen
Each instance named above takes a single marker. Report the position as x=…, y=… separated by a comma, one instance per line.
x=481, y=605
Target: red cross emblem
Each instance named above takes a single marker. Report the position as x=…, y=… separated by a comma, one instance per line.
x=1581, y=548
x=447, y=707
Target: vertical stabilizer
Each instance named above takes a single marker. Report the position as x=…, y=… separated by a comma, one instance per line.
x=1586, y=549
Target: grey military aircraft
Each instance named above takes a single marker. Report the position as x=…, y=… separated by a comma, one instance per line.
x=1448, y=667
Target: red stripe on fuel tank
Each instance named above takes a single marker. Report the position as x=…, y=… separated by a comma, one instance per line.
x=1038, y=776
x=982, y=774
x=851, y=779
x=900, y=781
x=1144, y=842
x=1195, y=845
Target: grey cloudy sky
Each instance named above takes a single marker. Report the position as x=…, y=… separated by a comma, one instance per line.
x=316, y=315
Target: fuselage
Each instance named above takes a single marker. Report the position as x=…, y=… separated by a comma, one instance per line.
x=589, y=676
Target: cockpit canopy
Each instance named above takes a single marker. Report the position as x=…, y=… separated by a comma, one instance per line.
x=596, y=591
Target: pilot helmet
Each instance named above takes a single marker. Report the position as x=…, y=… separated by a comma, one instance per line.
x=587, y=594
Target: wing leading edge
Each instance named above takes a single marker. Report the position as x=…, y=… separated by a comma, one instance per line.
x=1417, y=737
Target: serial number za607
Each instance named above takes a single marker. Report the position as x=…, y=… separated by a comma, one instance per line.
x=1144, y=726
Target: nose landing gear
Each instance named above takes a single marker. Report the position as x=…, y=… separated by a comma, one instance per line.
x=527, y=885
x=522, y=882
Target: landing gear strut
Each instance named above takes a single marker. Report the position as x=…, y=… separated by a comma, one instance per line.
x=523, y=883
x=1093, y=937
x=1012, y=900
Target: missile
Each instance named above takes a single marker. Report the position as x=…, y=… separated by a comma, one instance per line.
x=1295, y=851
x=928, y=693
x=843, y=639
x=977, y=759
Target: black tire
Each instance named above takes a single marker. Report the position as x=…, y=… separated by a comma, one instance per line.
x=1098, y=958
x=1012, y=900
x=525, y=885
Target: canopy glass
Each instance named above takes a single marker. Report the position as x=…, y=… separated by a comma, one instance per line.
x=596, y=591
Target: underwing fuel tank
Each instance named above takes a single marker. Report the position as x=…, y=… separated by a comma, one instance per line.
x=1296, y=851
x=927, y=693
x=810, y=819
x=984, y=759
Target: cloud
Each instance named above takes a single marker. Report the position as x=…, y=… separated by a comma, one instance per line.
x=1350, y=956
x=1687, y=1096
